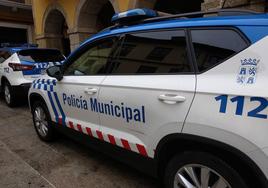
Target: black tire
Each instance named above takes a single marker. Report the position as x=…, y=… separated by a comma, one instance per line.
x=12, y=102
x=51, y=132
x=201, y=159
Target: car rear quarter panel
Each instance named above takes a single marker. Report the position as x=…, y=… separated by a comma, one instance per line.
x=226, y=120
x=224, y=80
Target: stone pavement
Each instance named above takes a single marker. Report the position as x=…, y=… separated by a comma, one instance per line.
x=27, y=162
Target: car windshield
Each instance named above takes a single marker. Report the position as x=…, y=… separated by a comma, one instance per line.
x=41, y=55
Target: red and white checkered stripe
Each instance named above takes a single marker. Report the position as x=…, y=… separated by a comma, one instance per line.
x=108, y=138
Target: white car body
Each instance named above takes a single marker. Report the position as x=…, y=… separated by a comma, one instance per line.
x=15, y=78
x=213, y=105
x=20, y=80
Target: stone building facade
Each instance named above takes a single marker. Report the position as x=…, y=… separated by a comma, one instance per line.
x=16, y=21
x=254, y=5
x=65, y=24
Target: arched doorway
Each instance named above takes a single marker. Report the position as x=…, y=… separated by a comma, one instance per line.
x=176, y=7
x=92, y=16
x=95, y=15
x=104, y=16
x=55, y=30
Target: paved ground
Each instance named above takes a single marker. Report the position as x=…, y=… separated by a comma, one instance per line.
x=26, y=162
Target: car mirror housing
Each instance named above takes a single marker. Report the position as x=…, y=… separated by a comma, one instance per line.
x=55, y=72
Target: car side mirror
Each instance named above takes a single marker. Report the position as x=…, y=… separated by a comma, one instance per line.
x=55, y=72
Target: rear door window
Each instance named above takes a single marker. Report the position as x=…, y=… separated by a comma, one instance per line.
x=213, y=46
x=40, y=55
x=153, y=52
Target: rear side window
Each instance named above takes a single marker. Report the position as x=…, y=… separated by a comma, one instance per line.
x=163, y=52
x=213, y=46
x=40, y=55
x=4, y=56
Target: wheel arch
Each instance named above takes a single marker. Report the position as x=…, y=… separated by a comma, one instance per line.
x=35, y=97
x=3, y=80
x=177, y=143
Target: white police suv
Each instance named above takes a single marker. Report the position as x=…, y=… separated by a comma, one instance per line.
x=182, y=99
x=20, y=65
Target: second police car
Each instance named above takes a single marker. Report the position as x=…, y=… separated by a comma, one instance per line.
x=20, y=65
x=185, y=98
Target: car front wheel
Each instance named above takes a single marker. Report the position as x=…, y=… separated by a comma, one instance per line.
x=42, y=122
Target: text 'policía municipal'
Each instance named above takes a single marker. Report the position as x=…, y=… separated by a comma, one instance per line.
x=111, y=109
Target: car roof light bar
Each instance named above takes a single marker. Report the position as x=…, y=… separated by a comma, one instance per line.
x=134, y=15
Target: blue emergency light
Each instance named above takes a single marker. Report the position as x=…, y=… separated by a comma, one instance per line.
x=134, y=15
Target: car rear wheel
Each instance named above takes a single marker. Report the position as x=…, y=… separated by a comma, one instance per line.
x=9, y=95
x=42, y=122
x=201, y=170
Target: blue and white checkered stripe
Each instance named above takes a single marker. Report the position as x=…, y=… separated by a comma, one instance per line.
x=48, y=85
x=43, y=84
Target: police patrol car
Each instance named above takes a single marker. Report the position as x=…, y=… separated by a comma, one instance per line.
x=184, y=99
x=20, y=65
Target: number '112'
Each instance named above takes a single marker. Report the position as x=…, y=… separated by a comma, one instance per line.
x=240, y=101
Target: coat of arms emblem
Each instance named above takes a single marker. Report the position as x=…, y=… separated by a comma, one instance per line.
x=248, y=71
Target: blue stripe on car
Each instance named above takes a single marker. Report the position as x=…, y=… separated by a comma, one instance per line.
x=60, y=108
x=53, y=106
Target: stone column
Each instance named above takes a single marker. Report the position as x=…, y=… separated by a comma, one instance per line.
x=50, y=41
x=256, y=6
x=238, y=4
x=211, y=5
x=145, y=4
x=79, y=35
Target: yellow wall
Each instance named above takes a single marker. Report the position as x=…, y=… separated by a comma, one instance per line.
x=69, y=7
x=40, y=7
x=124, y=4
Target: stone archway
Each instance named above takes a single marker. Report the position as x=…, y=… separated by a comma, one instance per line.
x=92, y=16
x=176, y=7
x=56, y=31
x=95, y=15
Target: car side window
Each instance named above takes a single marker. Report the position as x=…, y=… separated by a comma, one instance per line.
x=213, y=46
x=153, y=52
x=94, y=60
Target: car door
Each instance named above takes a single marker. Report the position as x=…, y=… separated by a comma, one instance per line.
x=148, y=92
x=83, y=74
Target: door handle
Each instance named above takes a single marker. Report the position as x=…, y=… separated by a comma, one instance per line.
x=171, y=98
x=91, y=91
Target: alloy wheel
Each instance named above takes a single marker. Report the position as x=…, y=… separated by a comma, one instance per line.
x=198, y=176
x=40, y=121
x=7, y=94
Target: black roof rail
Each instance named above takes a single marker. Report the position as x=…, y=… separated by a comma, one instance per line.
x=166, y=16
x=220, y=12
